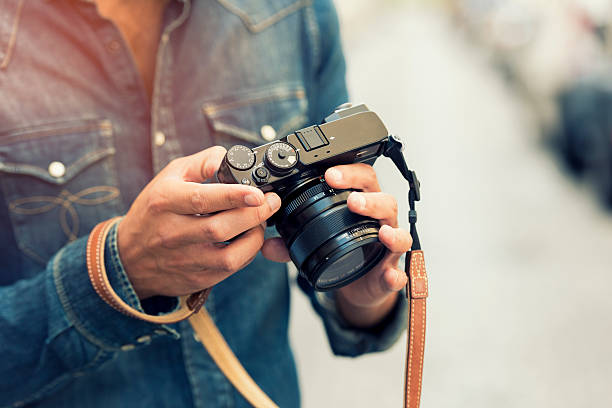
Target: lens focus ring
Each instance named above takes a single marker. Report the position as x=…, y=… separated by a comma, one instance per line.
x=304, y=196
x=332, y=222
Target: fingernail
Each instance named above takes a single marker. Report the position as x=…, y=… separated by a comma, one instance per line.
x=252, y=199
x=273, y=201
x=358, y=200
x=334, y=174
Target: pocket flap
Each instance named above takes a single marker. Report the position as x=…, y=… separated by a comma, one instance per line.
x=74, y=146
x=259, y=116
x=259, y=15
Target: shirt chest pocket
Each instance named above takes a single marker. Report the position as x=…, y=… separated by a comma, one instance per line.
x=58, y=181
x=255, y=117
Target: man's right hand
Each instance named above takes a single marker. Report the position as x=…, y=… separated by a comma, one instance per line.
x=170, y=240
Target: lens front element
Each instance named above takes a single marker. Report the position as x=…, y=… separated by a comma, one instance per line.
x=350, y=262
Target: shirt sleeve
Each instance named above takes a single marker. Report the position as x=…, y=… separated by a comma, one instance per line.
x=54, y=327
x=346, y=340
x=328, y=91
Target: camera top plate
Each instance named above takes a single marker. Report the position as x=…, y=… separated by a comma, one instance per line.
x=351, y=135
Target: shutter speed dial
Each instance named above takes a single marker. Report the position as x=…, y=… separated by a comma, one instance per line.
x=240, y=157
x=281, y=157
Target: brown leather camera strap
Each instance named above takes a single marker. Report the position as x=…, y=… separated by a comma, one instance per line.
x=190, y=307
x=226, y=360
x=416, y=293
x=219, y=350
x=99, y=280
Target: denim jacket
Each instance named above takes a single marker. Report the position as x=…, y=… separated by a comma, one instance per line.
x=79, y=140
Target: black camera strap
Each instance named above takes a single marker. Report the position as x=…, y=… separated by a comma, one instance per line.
x=417, y=287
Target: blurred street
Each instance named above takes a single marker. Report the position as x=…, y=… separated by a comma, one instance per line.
x=519, y=255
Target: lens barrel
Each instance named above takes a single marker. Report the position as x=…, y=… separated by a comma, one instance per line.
x=330, y=245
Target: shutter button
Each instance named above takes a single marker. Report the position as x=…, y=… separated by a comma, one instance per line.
x=57, y=169
x=268, y=132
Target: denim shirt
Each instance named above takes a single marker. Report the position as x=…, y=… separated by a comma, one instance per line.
x=79, y=140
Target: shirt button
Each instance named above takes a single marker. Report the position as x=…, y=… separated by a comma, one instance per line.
x=161, y=332
x=57, y=169
x=128, y=347
x=267, y=132
x=159, y=138
x=144, y=339
x=196, y=338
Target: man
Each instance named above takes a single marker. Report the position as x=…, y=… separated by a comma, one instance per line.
x=111, y=107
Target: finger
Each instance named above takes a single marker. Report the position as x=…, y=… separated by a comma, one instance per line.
x=201, y=166
x=393, y=280
x=380, y=206
x=209, y=264
x=275, y=250
x=238, y=253
x=358, y=176
x=195, y=198
x=397, y=240
x=225, y=225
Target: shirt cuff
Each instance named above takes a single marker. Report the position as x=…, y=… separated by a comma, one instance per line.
x=93, y=317
x=347, y=340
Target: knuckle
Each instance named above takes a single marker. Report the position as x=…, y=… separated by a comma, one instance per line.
x=197, y=278
x=228, y=263
x=408, y=241
x=157, y=202
x=215, y=231
x=369, y=174
x=199, y=202
x=208, y=230
x=392, y=204
x=262, y=213
x=160, y=240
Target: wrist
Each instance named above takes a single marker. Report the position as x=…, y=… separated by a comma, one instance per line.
x=364, y=315
x=130, y=255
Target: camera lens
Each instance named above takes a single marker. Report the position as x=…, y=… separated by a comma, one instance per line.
x=330, y=245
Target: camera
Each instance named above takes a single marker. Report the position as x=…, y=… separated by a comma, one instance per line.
x=330, y=245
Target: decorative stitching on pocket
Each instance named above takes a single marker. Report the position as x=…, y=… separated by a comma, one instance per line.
x=256, y=27
x=35, y=132
x=266, y=95
x=237, y=131
x=5, y=55
x=66, y=201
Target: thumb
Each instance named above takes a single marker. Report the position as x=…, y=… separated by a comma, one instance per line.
x=201, y=166
x=275, y=250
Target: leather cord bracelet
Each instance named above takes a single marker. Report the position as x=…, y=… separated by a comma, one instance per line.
x=188, y=305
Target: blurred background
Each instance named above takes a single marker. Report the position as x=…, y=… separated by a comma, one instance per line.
x=506, y=110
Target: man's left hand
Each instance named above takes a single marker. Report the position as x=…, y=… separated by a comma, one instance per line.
x=366, y=301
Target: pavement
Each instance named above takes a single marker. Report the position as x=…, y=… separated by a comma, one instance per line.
x=519, y=255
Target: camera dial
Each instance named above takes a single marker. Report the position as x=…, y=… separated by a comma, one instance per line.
x=281, y=157
x=240, y=157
